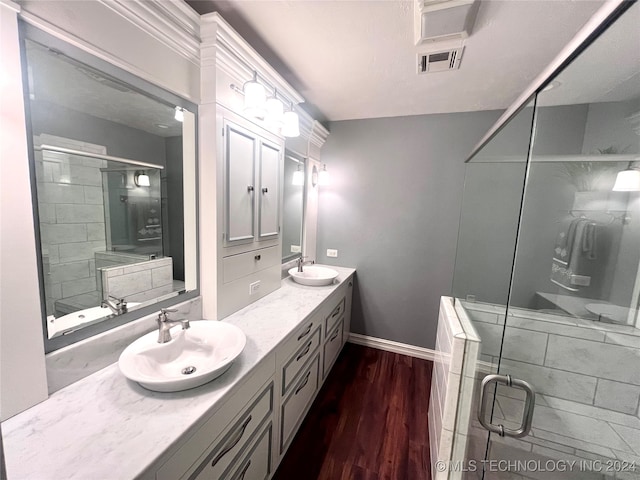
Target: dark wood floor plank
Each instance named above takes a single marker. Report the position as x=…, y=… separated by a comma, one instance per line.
x=369, y=421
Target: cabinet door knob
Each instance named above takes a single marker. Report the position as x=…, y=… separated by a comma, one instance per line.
x=265, y=190
x=258, y=257
x=250, y=188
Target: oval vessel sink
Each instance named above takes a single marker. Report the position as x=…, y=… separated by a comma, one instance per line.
x=191, y=358
x=314, y=276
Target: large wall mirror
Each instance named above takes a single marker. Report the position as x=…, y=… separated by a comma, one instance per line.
x=113, y=179
x=293, y=205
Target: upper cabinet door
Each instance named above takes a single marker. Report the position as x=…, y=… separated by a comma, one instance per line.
x=240, y=183
x=269, y=194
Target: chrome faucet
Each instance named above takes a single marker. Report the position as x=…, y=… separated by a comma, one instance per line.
x=301, y=263
x=118, y=306
x=164, y=325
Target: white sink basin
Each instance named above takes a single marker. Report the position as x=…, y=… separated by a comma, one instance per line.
x=314, y=276
x=209, y=346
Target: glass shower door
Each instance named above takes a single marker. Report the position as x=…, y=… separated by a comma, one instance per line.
x=494, y=181
x=571, y=328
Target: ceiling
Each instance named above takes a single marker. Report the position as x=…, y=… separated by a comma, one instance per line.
x=58, y=79
x=357, y=59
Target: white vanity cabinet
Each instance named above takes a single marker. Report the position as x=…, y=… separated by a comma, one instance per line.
x=252, y=171
x=240, y=433
x=249, y=202
x=305, y=358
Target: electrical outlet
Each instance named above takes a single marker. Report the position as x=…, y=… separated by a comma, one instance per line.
x=332, y=253
x=296, y=249
x=254, y=287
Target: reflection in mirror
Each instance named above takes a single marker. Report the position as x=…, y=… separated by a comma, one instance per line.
x=293, y=197
x=109, y=170
x=575, y=213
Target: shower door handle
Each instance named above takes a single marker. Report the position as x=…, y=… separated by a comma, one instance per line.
x=529, y=405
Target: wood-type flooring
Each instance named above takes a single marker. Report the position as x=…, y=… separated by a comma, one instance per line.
x=368, y=422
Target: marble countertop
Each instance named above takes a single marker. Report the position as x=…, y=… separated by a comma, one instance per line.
x=107, y=427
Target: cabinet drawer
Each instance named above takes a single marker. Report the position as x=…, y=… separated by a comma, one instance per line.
x=256, y=465
x=298, y=338
x=299, y=359
x=332, y=319
x=296, y=403
x=236, y=438
x=235, y=295
x=332, y=348
x=241, y=265
x=196, y=447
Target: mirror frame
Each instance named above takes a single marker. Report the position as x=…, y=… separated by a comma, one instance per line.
x=289, y=261
x=143, y=87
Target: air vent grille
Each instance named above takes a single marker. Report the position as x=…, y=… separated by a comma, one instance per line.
x=440, y=61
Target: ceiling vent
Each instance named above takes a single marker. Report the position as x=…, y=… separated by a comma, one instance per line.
x=437, y=20
x=440, y=61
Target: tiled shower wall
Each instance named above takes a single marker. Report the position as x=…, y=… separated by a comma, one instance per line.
x=139, y=282
x=70, y=203
x=586, y=379
x=448, y=410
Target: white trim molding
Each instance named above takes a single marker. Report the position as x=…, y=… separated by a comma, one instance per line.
x=174, y=24
x=10, y=5
x=223, y=47
x=395, y=347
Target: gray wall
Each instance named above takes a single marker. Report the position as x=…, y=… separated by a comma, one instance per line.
x=173, y=206
x=121, y=141
x=392, y=211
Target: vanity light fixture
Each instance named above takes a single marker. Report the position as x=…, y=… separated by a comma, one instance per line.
x=628, y=180
x=274, y=110
x=141, y=179
x=291, y=123
x=255, y=98
x=298, y=177
x=179, y=114
x=323, y=176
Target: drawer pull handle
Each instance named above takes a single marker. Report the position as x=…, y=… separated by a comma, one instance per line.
x=336, y=312
x=258, y=257
x=250, y=188
x=244, y=470
x=306, y=332
x=334, y=336
x=304, y=352
x=265, y=190
x=351, y=284
x=233, y=441
x=304, y=383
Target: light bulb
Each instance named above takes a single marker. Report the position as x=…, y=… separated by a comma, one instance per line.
x=627, y=181
x=274, y=112
x=142, y=179
x=179, y=115
x=298, y=177
x=323, y=176
x=291, y=124
x=255, y=98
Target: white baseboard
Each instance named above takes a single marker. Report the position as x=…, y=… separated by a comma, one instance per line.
x=395, y=347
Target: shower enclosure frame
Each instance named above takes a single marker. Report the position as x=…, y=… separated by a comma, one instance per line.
x=599, y=23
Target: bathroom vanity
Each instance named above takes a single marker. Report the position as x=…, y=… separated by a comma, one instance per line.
x=237, y=426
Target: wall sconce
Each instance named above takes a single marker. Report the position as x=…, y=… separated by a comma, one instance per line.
x=314, y=176
x=298, y=177
x=270, y=110
x=323, y=176
x=291, y=124
x=179, y=114
x=628, y=180
x=275, y=111
x=255, y=98
x=141, y=179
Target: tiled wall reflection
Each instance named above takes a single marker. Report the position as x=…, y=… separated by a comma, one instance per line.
x=70, y=204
